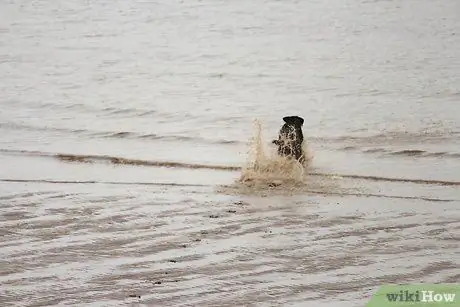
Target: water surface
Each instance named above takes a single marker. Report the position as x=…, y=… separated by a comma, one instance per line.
x=120, y=121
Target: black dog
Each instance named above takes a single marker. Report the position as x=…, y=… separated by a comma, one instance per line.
x=290, y=138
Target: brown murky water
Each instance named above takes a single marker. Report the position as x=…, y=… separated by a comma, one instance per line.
x=124, y=130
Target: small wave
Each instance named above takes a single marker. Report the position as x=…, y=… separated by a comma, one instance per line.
x=405, y=152
x=443, y=154
x=136, y=162
x=118, y=160
x=374, y=150
x=111, y=110
x=146, y=113
x=173, y=164
x=122, y=135
x=409, y=152
x=446, y=154
x=115, y=134
x=89, y=109
x=130, y=112
x=391, y=138
x=125, y=135
x=102, y=182
x=423, y=153
x=389, y=179
x=73, y=106
x=15, y=126
x=153, y=136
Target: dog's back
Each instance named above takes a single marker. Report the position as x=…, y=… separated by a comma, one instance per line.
x=290, y=137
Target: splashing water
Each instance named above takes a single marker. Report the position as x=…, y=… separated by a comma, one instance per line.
x=267, y=173
x=265, y=167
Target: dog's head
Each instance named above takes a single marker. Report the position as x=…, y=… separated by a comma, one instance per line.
x=293, y=120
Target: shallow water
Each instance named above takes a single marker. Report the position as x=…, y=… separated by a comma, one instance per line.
x=124, y=125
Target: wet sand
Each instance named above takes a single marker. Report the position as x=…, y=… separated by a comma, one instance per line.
x=117, y=243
